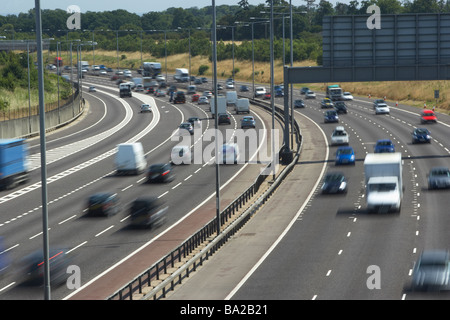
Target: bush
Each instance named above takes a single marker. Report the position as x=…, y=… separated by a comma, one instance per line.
x=202, y=69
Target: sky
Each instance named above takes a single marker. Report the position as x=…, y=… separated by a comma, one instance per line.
x=135, y=6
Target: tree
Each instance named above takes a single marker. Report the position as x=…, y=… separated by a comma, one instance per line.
x=243, y=4
x=422, y=6
x=389, y=6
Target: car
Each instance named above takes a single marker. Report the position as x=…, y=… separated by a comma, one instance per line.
x=162, y=84
x=347, y=96
x=378, y=101
x=160, y=93
x=191, y=89
x=219, y=87
x=103, y=72
x=224, y=118
x=384, y=145
x=198, y=81
x=243, y=88
x=248, y=122
x=345, y=155
x=33, y=266
x=127, y=74
x=139, y=88
x=195, y=97
x=95, y=68
x=195, y=121
x=340, y=107
x=431, y=271
x=204, y=80
x=208, y=94
x=439, y=178
x=304, y=90
x=147, y=212
x=331, y=116
x=260, y=92
x=299, y=103
x=103, y=204
x=146, y=108
x=267, y=96
x=179, y=97
x=229, y=85
x=180, y=155
x=326, y=103
x=339, y=136
x=279, y=93
x=334, y=182
x=160, y=172
x=172, y=88
x=5, y=258
x=186, y=126
x=92, y=89
x=310, y=95
x=428, y=116
x=203, y=100
x=230, y=153
x=382, y=108
x=420, y=135
x=150, y=90
x=160, y=78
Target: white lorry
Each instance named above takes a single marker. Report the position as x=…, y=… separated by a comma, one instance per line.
x=242, y=105
x=383, y=181
x=130, y=158
x=181, y=75
x=221, y=105
x=231, y=98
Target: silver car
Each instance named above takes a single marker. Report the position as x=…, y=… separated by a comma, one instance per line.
x=431, y=271
x=439, y=178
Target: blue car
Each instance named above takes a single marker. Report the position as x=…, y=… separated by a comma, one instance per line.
x=420, y=135
x=384, y=145
x=331, y=116
x=345, y=155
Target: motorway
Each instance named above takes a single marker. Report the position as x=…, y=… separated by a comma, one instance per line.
x=307, y=246
x=80, y=163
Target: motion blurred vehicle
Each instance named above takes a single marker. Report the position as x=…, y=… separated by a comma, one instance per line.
x=179, y=97
x=195, y=97
x=180, y=155
x=431, y=271
x=279, y=93
x=145, y=108
x=267, y=96
x=160, y=172
x=139, y=88
x=326, y=103
x=208, y=94
x=248, y=122
x=186, y=127
x=229, y=85
x=339, y=136
x=103, y=204
x=384, y=145
x=310, y=95
x=299, y=103
x=243, y=88
x=304, y=90
x=382, y=108
x=439, y=178
x=224, y=118
x=195, y=122
x=160, y=78
x=160, y=93
x=428, y=116
x=33, y=265
x=260, y=92
x=92, y=89
x=334, y=182
x=230, y=153
x=204, y=80
x=345, y=155
x=198, y=81
x=203, y=100
x=5, y=259
x=147, y=212
x=378, y=101
x=340, y=107
x=347, y=96
x=331, y=116
x=130, y=158
x=421, y=135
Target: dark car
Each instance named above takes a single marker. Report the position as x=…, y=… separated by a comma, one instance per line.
x=431, y=271
x=244, y=88
x=103, y=204
x=224, y=118
x=304, y=90
x=179, y=97
x=5, y=259
x=160, y=172
x=299, y=103
x=172, y=88
x=147, y=212
x=420, y=135
x=334, y=182
x=340, y=107
x=248, y=122
x=186, y=126
x=331, y=116
x=384, y=145
x=279, y=93
x=439, y=178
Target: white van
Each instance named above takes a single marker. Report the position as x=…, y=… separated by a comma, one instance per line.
x=242, y=105
x=130, y=158
x=260, y=91
x=180, y=155
x=232, y=98
x=230, y=153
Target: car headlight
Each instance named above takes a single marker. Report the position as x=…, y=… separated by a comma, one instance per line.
x=342, y=186
x=428, y=137
x=352, y=157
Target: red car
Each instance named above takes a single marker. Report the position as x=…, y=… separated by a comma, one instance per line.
x=195, y=97
x=267, y=96
x=428, y=116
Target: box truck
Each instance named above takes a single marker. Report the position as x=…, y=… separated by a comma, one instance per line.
x=231, y=98
x=383, y=181
x=130, y=158
x=181, y=75
x=221, y=105
x=242, y=106
x=14, y=165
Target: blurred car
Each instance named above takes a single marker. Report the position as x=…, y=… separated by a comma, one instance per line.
x=310, y=95
x=33, y=265
x=260, y=92
x=180, y=155
x=229, y=85
x=204, y=80
x=331, y=116
x=420, y=135
x=198, y=81
x=345, y=155
x=160, y=172
x=439, y=178
x=160, y=78
x=266, y=96
x=248, y=122
x=243, y=88
x=92, y=89
x=382, y=108
x=5, y=259
x=339, y=136
x=340, y=107
x=326, y=103
x=203, y=100
x=147, y=212
x=207, y=94
x=230, y=153
x=195, y=122
x=179, y=97
x=428, y=116
x=347, y=96
x=160, y=93
x=195, y=97
x=145, y=108
x=334, y=182
x=304, y=90
x=172, y=88
x=139, y=88
x=224, y=118
x=279, y=93
x=103, y=204
x=384, y=145
x=186, y=127
x=299, y=103
x=431, y=271
x=378, y=101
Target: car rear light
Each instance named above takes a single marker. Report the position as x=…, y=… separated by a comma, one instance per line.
x=165, y=172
